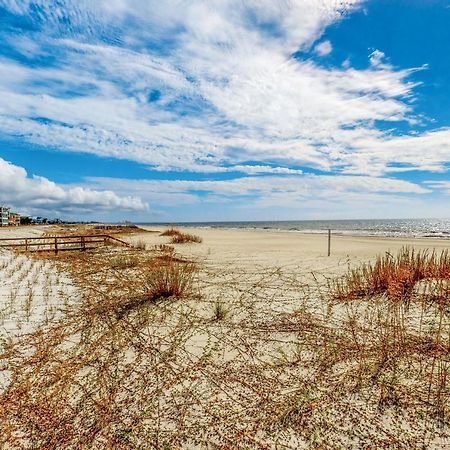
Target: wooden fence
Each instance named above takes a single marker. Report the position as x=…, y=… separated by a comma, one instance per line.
x=61, y=243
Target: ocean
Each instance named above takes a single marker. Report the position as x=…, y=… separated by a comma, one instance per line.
x=433, y=228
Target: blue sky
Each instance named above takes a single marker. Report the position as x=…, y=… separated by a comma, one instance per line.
x=225, y=109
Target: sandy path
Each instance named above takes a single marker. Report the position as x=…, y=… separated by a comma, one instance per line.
x=23, y=232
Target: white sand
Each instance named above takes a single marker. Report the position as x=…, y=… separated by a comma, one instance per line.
x=24, y=231
x=304, y=252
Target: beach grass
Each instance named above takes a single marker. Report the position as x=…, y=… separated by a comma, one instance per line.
x=170, y=232
x=178, y=237
x=395, y=275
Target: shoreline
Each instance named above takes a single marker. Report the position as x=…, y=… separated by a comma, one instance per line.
x=445, y=241
x=307, y=232
x=442, y=235
x=396, y=228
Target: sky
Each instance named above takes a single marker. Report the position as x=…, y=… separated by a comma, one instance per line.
x=214, y=110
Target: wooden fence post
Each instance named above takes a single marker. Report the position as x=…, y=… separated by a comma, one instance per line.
x=26, y=245
x=329, y=242
x=83, y=244
x=56, y=245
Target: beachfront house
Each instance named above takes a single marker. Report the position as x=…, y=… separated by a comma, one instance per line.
x=14, y=219
x=4, y=216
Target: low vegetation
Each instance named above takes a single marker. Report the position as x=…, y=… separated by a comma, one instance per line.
x=184, y=238
x=170, y=279
x=170, y=232
x=163, y=353
x=220, y=311
x=164, y=248
x=396, y=276
x=140, y=245
x=121, y=262
x=178, y=237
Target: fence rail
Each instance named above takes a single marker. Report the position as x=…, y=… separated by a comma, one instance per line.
x=61, y=243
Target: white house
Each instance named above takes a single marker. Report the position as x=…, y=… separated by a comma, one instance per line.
x=4, y=216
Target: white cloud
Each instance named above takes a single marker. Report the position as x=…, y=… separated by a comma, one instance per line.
x=231, y=97
x=323, y=48
x=248, y=169
x=222, y=63
x=428, y=151
x=441, y=185
x=300, y=186
x=35, y=193
x=275, y=197
x=376, y=59
x=306, y=121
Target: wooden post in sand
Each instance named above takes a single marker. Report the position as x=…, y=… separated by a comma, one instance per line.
x=329, y=242
x=56, y=245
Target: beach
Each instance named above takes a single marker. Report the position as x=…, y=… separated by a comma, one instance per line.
x=252, y=248
x=233, y=339
x=224, y=225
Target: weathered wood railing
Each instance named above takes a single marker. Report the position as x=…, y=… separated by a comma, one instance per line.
x=60, y=243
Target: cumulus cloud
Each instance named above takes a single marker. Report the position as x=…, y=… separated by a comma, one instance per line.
x=323, y=48
x=37, y=193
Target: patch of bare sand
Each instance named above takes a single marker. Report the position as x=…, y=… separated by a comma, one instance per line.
x=295, y=252
x=24, y=231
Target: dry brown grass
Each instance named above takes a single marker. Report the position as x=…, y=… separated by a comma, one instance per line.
x=93, y=229
x=164, y=248
x=140, y=244
x=121, y=262
x=170, y=232
x=170, y=279
x=184, y=238
x=140, y=364
x=394, y=275
x=178, y=237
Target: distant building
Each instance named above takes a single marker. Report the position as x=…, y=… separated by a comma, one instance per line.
x=4, y=216
x=14, y=219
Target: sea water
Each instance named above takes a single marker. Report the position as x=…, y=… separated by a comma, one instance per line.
x=435, y=228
